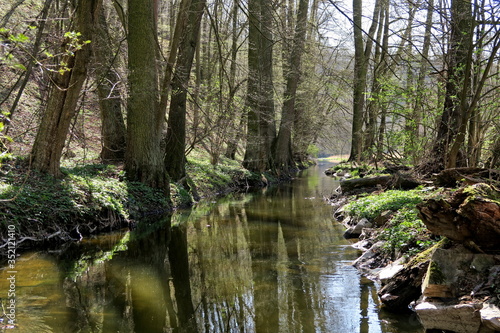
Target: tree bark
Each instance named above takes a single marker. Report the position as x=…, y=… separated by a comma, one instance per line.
x=175, y=140
x=143, y=159
x=113, y=129
x=283, y=156
x=470, y=216
x=260, y=96
x=64, y=95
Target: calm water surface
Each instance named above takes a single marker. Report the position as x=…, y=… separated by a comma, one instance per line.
x=271, y=261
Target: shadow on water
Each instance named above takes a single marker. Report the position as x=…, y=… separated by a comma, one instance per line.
x=268, y=261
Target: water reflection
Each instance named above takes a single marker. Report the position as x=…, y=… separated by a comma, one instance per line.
x=271, y=261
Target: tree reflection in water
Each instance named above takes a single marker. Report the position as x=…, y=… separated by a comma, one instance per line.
x=264, y=262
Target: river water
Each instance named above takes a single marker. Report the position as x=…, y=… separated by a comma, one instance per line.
x=269, y=261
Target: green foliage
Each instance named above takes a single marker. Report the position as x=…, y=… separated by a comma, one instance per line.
x=86, y=192
x=373, y=205
x=312, y=150
x=406, y=233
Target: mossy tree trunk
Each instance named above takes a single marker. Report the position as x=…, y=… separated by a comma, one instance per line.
x=175, y=140
x=65, y=93
x=143, y=159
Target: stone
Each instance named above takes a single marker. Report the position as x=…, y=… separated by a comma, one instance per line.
x=450, y=267
x=389, y=271
x=383, y=218
x=355, y=231
x=490, y=316
x=460, y=318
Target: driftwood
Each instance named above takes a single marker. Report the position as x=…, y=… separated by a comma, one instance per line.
x=470, y=216
x=450, y=177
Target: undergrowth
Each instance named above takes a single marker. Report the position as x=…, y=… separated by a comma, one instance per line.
x=404, y=233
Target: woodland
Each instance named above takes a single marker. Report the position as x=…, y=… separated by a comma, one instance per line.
x=145, y=84
x=107, y=105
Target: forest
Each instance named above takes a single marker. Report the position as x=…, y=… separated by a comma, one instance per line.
x=266, y=83
x=112, y=110
x=114, y=113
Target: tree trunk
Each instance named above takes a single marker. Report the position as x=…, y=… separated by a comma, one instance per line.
x=175, y=140
x=283, y=149
x=64, y=95
x=260, y=96
x=361, y=55
x=457, y=90
x=113, y=129
x=143, y=159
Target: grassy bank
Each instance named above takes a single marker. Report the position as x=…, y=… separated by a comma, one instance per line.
x=95, y=198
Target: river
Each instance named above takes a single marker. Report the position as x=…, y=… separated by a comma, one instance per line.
x=268, y=261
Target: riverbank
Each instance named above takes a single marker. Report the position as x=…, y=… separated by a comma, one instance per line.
x=94, y=198
x=414, y=245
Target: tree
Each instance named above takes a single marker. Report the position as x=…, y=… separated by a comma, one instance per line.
x=143, y=159
x=261, y=129
x=362, y=53
x=175, y=140
x=283, y=148
x=113, y=129
x=65, y=90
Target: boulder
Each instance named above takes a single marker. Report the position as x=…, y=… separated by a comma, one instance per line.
x=451, y=270
x=404, y=287
x=490, y=317
x=355, y=231
x=389, y=271
x=460, y=318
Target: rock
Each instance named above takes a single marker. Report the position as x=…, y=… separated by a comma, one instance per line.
x=383, y=218
x=370, y=254
x=389, y=271
x=490, y=316
x=355, y=231
x=404, y=287
x=460, y=318
x=452, y=269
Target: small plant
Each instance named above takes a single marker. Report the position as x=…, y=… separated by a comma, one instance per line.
x=406, y=234
x=373, y=205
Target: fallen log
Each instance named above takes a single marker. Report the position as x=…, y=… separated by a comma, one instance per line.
x=351, y=185
x=398, y=180
x=451, y=177
x=470, y=216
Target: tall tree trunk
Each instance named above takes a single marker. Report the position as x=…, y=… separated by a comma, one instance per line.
x=64, y=95
x=113, y=129
x=361, y=55
x=143, y=159
x=420, y=91
x=283, y=149
x=260, y=96
x=175, y=140
x=232, y=145
x=457, y=89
